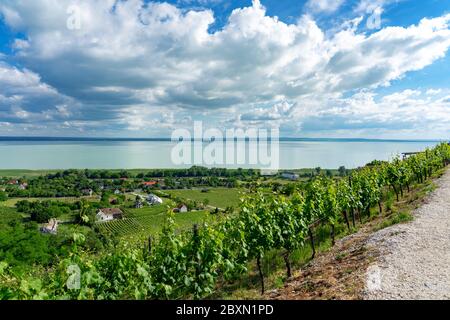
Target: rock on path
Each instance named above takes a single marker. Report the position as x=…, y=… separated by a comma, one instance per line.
x=415, y=257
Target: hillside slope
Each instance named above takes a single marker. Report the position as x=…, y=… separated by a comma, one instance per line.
x=404, y=261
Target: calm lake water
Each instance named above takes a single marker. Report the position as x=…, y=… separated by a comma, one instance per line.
x=157, y=154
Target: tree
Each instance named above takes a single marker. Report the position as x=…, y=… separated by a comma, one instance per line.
x=3, y=196
x=342, y=171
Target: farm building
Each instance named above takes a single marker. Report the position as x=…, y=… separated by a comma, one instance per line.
x=154, y=200
x=150, y=183
x=109, y=214
x=51, y=227
x=23, y=186
x=138, y=205
x=87, y=192
x=181, y=208
x=290, y=175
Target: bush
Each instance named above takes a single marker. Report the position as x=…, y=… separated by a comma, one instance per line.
x=3, y=196
x=42, y=212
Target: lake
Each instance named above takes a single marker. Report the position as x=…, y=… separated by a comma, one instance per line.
x=142, y=154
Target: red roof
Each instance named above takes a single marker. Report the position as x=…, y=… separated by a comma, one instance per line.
x=149, y=183
x=111, y=211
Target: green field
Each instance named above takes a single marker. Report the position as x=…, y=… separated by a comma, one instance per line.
x=218, y=197
x=18, y=173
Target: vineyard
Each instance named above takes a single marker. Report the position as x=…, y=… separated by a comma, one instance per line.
x=121, y=227
x=190, y=264
x=139, y=223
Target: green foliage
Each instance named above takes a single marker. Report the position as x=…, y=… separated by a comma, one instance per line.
x=3, y=196
x=43, y=211
x=189, y=264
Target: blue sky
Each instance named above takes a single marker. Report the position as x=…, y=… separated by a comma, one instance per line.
x=313, y=68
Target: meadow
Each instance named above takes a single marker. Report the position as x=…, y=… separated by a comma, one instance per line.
x=217, y=197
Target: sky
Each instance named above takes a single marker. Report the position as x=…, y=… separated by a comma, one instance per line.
x=312, y=68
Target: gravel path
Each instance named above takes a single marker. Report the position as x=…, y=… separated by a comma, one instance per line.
x=415, y=259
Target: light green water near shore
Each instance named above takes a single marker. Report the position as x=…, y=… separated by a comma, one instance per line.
x=157, y=154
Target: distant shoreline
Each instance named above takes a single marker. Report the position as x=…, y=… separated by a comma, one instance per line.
x=282, y=139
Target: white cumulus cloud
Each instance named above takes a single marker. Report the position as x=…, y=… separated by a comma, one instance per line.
x=141, y=59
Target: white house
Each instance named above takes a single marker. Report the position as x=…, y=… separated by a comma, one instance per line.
x=290, y=175
x=109, y=214
x=154, y=200
x=51, y=227
x=182, y=208
x=23, y=186
x=138, y=204
x=87, y=192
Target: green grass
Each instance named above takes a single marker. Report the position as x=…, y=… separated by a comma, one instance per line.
x=218, y=197
x=395, y=218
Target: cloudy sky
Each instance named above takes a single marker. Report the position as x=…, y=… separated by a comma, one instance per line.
x=135, y=68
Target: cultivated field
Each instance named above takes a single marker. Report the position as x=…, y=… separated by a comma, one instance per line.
x=150, y=220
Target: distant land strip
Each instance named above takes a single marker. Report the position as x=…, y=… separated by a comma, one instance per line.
x=282, y=139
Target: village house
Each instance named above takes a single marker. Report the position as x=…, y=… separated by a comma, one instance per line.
x=138, y=204
x=182, y=208
x=87, y=192
x=23, y=186
x=109, y=214
x=154, y=200
x=13, y=182
x=51, y=227
x=149, y=183
x=117, y=191
x=290, y=175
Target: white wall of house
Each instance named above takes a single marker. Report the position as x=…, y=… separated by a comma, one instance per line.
x=103, y=217
x=152, y=199
x=291, y=176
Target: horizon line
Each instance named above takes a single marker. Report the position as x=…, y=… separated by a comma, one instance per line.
x=167, y=139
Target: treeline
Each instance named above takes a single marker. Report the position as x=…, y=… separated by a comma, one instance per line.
x=195, y=171
x=190, y=264
x=43, y=211
x=76, y=183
